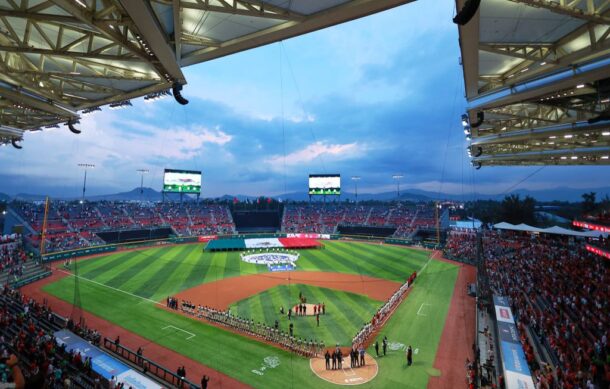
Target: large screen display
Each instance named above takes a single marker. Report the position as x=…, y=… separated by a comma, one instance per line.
x=182, y=181
x=324, y=184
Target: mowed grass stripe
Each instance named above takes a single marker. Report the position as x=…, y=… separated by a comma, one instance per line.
x=359, y=265
x=345, y=310
x=196, y=274
x=232, y=267
x=106, y=264
x=128, y=269
x=174, y=281
x=216, y=270
x=326, y=256
x=156, y=278
x=368, y=259
x=405, y=257
x=334, y=321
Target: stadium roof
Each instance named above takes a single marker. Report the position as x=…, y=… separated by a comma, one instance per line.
x=60, y=57
x=539, y=72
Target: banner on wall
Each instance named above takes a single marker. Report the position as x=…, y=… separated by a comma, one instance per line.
x=514, y=363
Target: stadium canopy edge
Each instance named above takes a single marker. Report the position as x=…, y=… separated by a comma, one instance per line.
x=538, y=73
x=61, y=59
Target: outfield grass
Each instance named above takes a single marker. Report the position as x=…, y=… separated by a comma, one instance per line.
x=159, y=272
x=345, y=312
x=155, y=273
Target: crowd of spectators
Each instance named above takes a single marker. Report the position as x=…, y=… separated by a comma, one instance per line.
x=33, y=358
x=73, y=225
x=559, y=294
x=12, y=257
x=325, y=218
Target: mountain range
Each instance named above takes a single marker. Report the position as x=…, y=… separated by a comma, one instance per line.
x=150, y=194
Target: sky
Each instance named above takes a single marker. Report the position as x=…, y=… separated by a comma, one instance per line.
x=374, y=97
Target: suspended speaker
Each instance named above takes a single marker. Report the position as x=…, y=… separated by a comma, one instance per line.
x=480, y=118
x=73, y=129
x=467, y=12
x=176, y=88
x=479, y=151
x=15, y=144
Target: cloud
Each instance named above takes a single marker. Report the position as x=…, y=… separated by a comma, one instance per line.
x=315, y=151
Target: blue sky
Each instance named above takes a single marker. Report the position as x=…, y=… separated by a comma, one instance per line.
x=373, y=97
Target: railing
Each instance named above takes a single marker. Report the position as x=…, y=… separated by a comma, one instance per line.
x=148, y=366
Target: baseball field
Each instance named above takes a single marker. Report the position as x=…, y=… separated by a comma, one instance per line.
x=352, y=279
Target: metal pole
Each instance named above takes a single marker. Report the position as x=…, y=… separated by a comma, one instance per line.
x=84, y=185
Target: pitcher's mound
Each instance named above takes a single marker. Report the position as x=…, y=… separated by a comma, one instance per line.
x=347, y=375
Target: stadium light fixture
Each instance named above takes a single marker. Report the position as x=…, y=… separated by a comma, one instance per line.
x=120, y=104
x=142, y=172
x=356, y=179
x=89, y=111
x=397, y=177
x=149, y=98
x=85, y=166
x=465, y=120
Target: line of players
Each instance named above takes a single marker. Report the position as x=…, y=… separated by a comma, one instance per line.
x=308, y=348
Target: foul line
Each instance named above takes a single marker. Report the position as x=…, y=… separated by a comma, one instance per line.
x=180, y=329
x=108, y=286
x=420, y=307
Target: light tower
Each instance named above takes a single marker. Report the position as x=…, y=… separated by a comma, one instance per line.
x=356, y=179
x=85, y=166
x=397, y=177
x=142, y=172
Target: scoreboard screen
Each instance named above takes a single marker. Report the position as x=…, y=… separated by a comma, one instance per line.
x=181, y=181
x=324, y=184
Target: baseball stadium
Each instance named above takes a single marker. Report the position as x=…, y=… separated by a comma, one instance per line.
x=304, y=282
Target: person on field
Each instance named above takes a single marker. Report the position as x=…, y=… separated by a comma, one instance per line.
x=327, y=359
x=323, y=309
x=204, y=382
x=385, y=345
x=289, y=313
x=409, y=356
x=340, y=359
x=334, y=360
x=361, y=352
x=318, y=319
x=291, y=328
x=351, y=358
x=377, y=347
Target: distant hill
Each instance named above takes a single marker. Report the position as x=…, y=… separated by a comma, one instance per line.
x=149, y=194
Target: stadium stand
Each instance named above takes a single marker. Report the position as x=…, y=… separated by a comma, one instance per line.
x=72, y=225
x=559, y=295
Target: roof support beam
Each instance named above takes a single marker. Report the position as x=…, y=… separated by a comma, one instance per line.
x=246, y=9
x=591, y=14
x=67, y=54
x=151, y=31
x=330, y=17
x=21, y=98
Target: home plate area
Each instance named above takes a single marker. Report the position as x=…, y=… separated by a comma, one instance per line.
x=347, y=375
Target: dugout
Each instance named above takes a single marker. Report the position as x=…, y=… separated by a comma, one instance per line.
x=123, y=236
